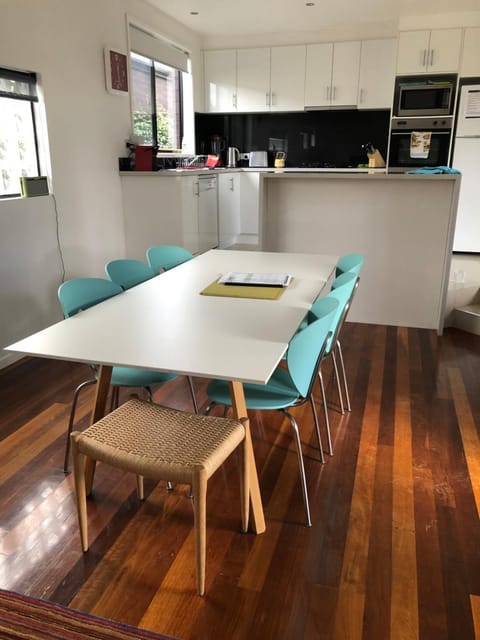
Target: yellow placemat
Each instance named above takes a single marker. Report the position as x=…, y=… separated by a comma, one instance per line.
x=240, y=291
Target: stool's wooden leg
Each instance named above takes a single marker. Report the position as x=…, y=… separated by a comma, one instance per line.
x=240, y=410
x=245, y=480
x=199, y=486
x=79, y=460
x=140, y=492
x=103, y=385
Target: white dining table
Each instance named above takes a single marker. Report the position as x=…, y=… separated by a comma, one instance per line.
x=166, y=324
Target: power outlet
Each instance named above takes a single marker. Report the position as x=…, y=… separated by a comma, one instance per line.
x=245, y=156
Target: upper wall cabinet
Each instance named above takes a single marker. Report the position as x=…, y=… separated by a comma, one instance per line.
x=470, y=65
x=377, y=73
x=435, y=51
x=287, y=78
x=220, y=73
x=253, y=79
x=331, y=78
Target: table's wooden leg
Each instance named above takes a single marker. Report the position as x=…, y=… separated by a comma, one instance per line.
x=240, y=409
x=102, y=388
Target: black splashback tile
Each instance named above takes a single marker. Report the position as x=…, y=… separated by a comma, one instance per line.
x=314, y=137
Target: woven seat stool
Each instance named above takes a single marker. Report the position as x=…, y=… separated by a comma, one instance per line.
x=162, y=444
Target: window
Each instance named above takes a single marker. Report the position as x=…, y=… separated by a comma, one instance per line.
x=18, y=137
x=156, y=103
x=161, y=92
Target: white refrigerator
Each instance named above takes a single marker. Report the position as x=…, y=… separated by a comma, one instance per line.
x=466, y=158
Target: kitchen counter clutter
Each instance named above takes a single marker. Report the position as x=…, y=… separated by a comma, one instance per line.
x=402, y=223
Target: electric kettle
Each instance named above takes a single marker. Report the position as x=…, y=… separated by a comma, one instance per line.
x=233, y=156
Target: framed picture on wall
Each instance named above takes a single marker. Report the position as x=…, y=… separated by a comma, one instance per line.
x=116, y=74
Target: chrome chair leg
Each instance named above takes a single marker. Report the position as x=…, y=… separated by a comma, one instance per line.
x=339, y=387
x=72, y=418
x=301, y=465
x=325, y=413
x=345, y=385
x=192, y=392
x=317, y=429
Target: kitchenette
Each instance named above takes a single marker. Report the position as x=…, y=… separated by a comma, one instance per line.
x=312, y=159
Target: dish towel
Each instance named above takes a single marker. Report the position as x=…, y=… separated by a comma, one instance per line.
x=420, y=144
x=434, y=170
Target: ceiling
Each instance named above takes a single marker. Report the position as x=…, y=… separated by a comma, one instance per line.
x=247, y=17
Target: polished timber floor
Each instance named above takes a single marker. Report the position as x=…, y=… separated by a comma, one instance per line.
x=394, y=550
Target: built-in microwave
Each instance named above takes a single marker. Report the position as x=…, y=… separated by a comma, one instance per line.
x=424, y=95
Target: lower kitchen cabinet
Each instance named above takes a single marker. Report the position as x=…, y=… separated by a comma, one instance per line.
x=228, y=209
x=180, y=209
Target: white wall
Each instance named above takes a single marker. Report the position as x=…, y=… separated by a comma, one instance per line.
x=63, y=41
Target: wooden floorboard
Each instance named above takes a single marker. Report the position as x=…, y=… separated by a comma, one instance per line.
x=394, y=550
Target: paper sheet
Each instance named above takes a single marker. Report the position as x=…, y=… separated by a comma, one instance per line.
x=420, y=144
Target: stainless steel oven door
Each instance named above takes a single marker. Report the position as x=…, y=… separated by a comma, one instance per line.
x=419, y=143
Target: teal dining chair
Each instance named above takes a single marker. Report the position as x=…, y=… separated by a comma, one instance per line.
x=291, y=386
x=342, y=291
x=350, y=262
x=79, y=294
x=128, y=273
x=163, y=257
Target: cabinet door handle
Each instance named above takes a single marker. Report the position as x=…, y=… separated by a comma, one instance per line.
x=232, y=184
x=267, y=98
x=328, y=92
x=431, y=57
x=424, y=62
x=274, y=99
x=196, y=188
x=334, y=97
x=361, y=96
x=234, y=100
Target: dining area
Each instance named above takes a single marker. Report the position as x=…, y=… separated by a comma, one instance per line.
x=273, y=370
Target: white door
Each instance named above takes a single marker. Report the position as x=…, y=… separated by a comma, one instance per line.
x=253, y=79
x=287, y=78
x=444, y=54
x=228, y=209
x=413, y=48
x=318, y=75
x=377, y=73
x=345, y=70
x=220, y=71
x=207, y=214
x=466, y=158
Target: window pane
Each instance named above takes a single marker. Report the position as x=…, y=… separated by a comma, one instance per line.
x=167, y=106
x=141, y=69
x=18, y=154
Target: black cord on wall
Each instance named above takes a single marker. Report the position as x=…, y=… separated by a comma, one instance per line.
x=57, y=231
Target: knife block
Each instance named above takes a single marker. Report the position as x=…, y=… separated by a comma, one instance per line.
x=375, y=159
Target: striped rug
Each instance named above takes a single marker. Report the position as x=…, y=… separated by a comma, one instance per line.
x=24, y=618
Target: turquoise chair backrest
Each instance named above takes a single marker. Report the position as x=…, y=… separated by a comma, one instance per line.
x=307, y=347
x=350, y=262
x=164, y=257
x=342, y=294
x=83, y=293
x=128, y=273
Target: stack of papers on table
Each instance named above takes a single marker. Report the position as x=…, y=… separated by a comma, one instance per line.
x=256, y=279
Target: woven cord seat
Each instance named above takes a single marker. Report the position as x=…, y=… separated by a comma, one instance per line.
x=163, y=444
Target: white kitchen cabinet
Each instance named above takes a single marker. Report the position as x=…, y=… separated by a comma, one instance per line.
x=170, y=209
x=220, y=73
x=436, y=51
x=253, y=79
x=228, y=209
x=470, y=64
x=377, y=73
x=331, y=77
x=287, y=78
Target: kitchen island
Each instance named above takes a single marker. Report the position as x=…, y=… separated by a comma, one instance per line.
x=402, y=223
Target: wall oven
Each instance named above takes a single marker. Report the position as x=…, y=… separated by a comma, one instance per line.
x=424, y=95
x=419, y=142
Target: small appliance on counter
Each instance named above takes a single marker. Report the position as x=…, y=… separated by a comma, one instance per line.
x=258, y=159
x=233, y=157
x=145, y=157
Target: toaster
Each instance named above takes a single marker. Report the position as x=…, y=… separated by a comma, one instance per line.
x=258, y=159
